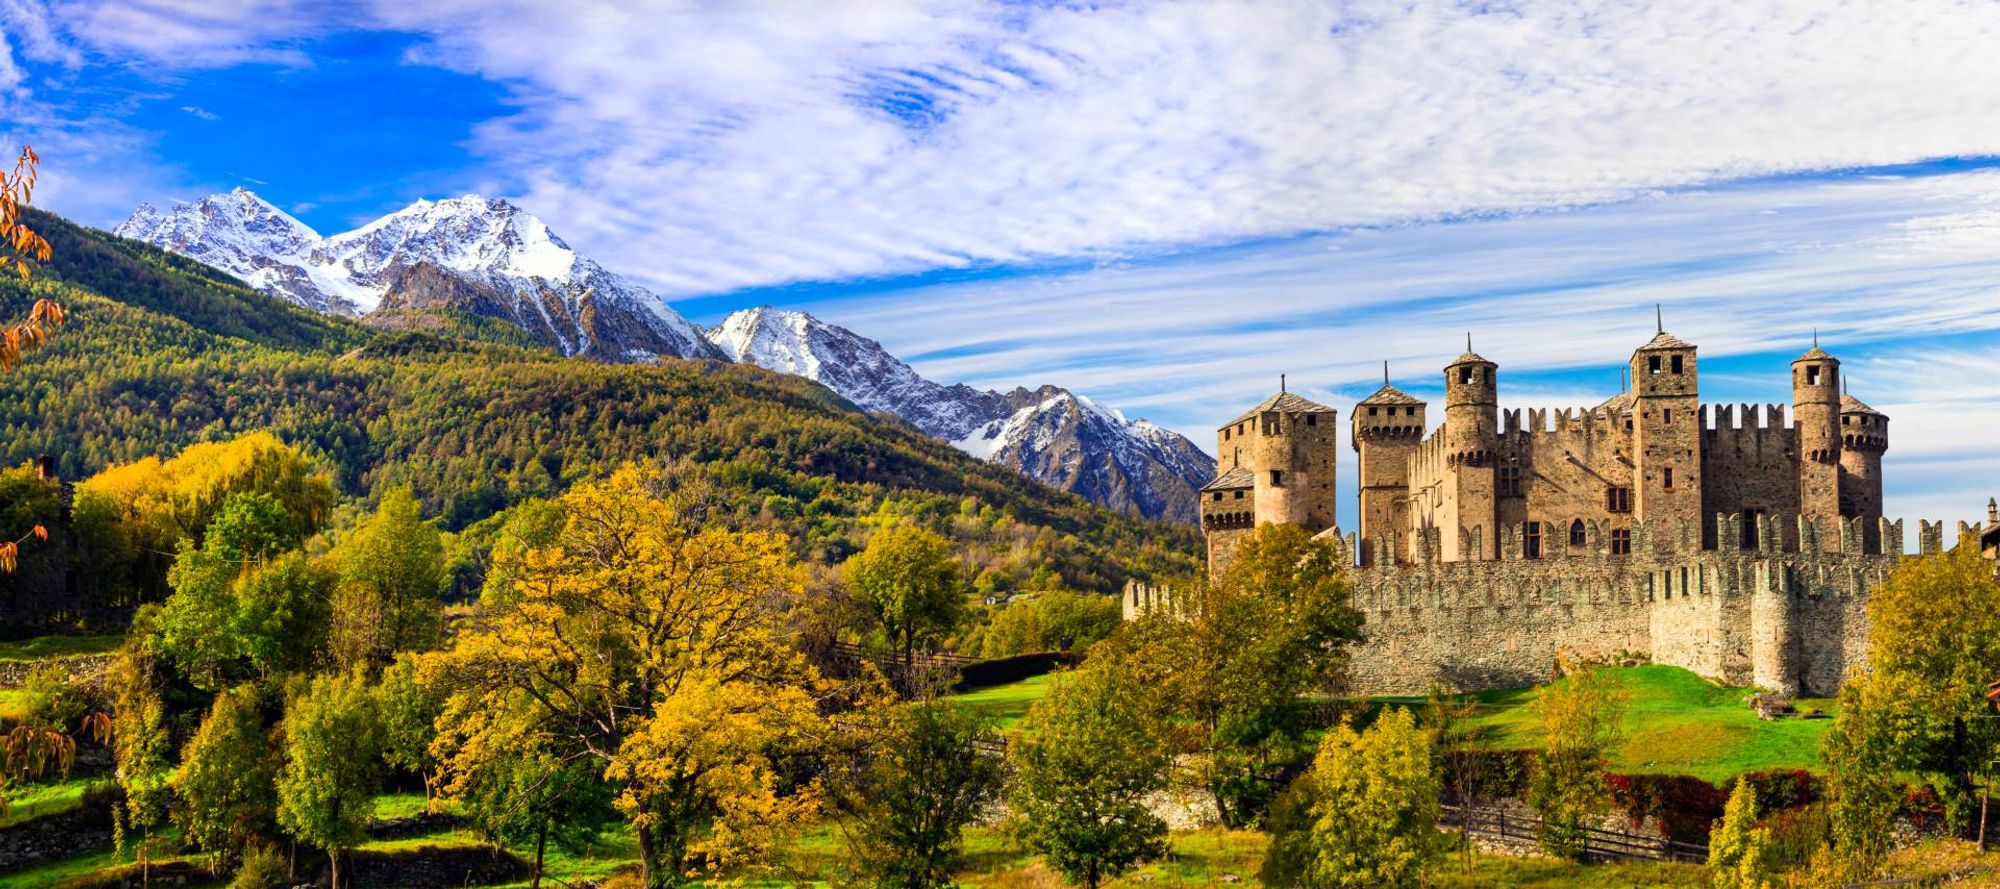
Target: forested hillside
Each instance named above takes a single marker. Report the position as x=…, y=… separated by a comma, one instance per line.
x=161, y=352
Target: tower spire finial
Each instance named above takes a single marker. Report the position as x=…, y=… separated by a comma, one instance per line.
x=1385, y=372
x=1468, y=341
x=1815, y=337
x=1659, y=319
x=1281, y=383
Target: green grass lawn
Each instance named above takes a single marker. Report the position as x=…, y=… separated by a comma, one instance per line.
x=1548, y=873
x=1005, y=704
x=1676, y=723
x=45, y=647
x=38, y=800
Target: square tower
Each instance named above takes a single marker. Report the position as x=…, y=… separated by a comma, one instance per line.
x=1666, y=432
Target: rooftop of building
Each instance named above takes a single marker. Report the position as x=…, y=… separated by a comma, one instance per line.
x=1389, y=394
x=1231, y=480
x=1851, y=405
x=1665, y=340
x=1283, y=403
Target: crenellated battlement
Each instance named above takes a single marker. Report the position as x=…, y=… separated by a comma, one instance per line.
x=1742, y=418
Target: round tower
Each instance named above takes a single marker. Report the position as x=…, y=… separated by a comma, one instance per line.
x=1471, y=434
x=1864, y=435
x=1387, y=428
x=1816, y=420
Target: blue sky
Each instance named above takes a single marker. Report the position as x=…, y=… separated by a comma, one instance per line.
x=1160, y=205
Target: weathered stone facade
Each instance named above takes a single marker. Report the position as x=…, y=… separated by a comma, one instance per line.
x=1706, y=536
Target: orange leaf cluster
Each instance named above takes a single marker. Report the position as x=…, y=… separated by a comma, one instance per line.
x=16, y=189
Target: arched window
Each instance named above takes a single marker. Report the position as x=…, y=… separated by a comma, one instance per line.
x=1576, y=534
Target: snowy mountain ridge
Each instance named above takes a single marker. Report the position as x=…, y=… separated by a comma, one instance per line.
x=505, y=262
x=1051, y=434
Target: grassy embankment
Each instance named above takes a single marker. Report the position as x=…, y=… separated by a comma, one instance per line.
x=1676, y=723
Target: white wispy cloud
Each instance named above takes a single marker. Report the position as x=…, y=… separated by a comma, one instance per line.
x=711, y=148
x=1747, y=272
x=199, y=33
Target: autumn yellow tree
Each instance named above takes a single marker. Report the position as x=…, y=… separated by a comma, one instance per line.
x=649, y=641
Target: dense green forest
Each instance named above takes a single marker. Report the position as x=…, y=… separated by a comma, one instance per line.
x=161, y=352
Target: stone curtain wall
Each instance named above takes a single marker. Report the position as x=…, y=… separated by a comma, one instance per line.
x=1789, y=621
x=1480, y=625
x=1794, y=622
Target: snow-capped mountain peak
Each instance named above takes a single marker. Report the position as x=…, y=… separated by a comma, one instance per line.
x=1052, y=434
x=472, y=253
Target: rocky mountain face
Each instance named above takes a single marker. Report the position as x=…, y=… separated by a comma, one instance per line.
x=476, y=255
x=1050, y=434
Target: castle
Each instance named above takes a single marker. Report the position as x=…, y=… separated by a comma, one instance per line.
x=1714, y=538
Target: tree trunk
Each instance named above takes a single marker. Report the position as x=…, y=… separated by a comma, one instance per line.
x=333, y=869
x=646, y=856
x=541, y=843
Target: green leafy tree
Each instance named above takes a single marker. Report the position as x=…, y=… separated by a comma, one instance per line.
x=1861, y=785
x=1579, y=714
x=194, y=622
x=409, y=711
x=910, y=583
x=282, y=610
x=226, y=796
x=935, y=774
x=252, y=526
x=1739, y=854
x=1089, y=757
x=527, y=796
x=391, y=574
x=1042, y=621
x=140, y=742
x=333, y=742
x=1238, y=661
x=1369, y=810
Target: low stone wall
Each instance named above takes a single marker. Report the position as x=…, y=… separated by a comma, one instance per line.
x=431, y=867
x=85, y=668
x=54, y=837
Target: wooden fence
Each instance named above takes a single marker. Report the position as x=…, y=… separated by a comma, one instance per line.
x=1600, y=845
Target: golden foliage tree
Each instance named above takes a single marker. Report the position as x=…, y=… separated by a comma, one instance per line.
x=650, y=641
x=1579, y=714
x=1366, y=815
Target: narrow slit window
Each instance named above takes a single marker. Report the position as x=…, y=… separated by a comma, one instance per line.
x=1532, y=543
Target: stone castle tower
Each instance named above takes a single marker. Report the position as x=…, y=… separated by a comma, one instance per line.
x=1275, y=463
x=1728, y=542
